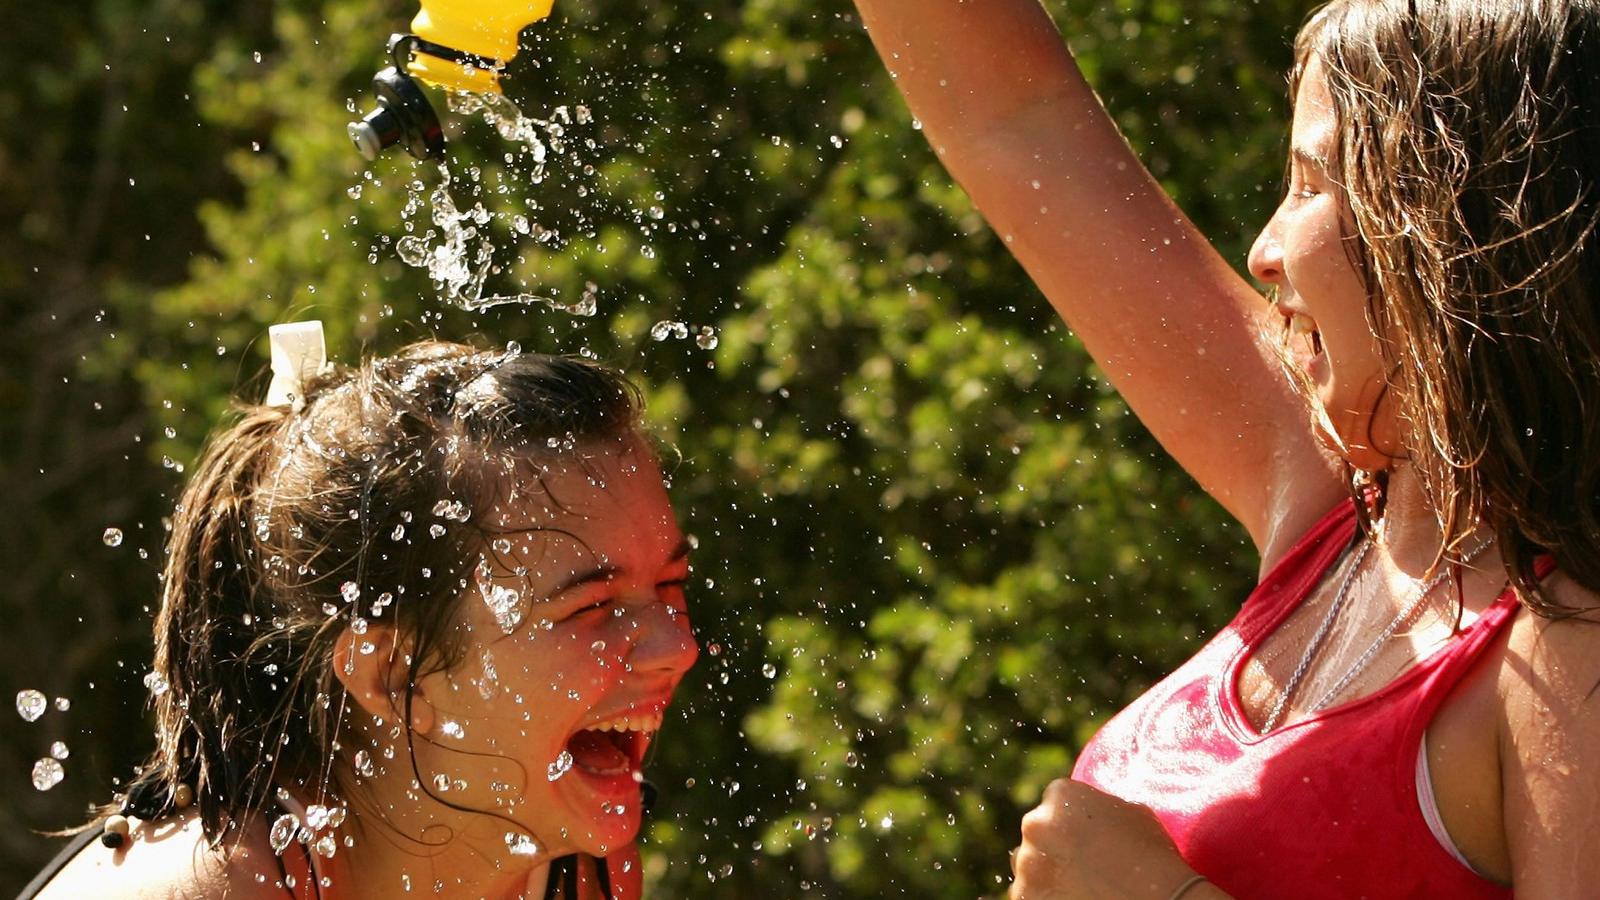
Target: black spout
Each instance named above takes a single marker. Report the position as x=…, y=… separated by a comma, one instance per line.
x=404, y=116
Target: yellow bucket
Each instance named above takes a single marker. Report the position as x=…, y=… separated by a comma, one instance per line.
x=465, y=43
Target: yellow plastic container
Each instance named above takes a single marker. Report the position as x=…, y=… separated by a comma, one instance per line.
x=484, y=28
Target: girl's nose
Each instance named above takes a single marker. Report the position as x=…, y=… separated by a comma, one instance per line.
x=660, y=639
x=1266, y=257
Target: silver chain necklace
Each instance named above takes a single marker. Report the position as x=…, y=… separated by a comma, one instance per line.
x=1320, y=637
x=1388, y=632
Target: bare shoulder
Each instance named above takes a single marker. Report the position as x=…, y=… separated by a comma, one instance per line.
x=172, y=860
x=1549, y=687
x=1555, y=662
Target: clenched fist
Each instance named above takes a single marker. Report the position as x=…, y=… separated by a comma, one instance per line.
x=1082, y=844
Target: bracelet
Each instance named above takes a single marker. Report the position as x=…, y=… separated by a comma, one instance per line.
x=1184, y=888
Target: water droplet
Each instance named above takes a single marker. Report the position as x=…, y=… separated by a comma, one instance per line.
x=662, y=330
x=316, y=817
x=489, y=684
x=851, y=760
x=450, y=728
x=350, y=591
x=47, y=773
x=282, y=833
x=30, y=705
x=707, y=338
x=398, y=534
x=561, y=766
x=363, y=764
x=769, y=670
x=412, y=250
x=521, y=844
x=354, y=192
x=63, y=704
x=436, y=530
x=714, y=648
x=111, y=537
x=327, y=846
x=441, y=783
x=155, y=684
x=59, y=750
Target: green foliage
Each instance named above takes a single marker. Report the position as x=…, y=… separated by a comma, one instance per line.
x=935, y=549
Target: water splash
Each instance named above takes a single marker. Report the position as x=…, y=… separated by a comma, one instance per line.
x=458, y=245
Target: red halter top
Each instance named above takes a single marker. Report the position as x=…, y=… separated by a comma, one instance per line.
x=1322, y=809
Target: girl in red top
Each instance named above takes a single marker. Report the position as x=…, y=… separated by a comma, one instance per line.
x=1408, y=428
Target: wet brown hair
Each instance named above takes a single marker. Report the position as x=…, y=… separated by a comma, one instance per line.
x=1470, y=154
x=357, y=505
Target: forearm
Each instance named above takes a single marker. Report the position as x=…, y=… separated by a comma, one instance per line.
x=1177, y=331
x=964, y=65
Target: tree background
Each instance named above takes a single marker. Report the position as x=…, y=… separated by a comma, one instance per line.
x=935, y=549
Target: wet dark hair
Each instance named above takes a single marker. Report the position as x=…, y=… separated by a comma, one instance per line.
x=1469, y=152
x=355, y=505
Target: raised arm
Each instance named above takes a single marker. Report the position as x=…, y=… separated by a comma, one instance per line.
x=1177, y=331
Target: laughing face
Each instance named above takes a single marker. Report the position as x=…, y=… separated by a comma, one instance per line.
x=577, y=635
x=1304, y=254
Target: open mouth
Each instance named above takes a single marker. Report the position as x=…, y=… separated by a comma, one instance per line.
x=1303, y=326
x=615, y=746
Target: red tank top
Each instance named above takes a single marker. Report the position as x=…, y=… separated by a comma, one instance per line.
x=1321, y=809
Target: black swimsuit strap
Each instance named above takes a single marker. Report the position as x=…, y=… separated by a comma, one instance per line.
x=53, y=868
x=563, y=881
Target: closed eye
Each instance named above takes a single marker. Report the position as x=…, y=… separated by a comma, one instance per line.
x=673, y=590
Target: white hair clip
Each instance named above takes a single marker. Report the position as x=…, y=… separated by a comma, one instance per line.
x=298, y=354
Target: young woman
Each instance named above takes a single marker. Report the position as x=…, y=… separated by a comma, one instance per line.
x=1408, y=430
x=419, y=625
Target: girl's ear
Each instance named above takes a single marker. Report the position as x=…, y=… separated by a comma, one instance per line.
x=373, y=667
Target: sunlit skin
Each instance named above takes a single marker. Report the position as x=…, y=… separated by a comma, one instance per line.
x=1305, y=253
x=600, y=635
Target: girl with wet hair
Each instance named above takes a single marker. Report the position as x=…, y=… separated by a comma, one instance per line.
x=1407, y=426
x=418, y=627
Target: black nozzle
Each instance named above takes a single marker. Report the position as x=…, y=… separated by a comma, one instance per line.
x=404, y=116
